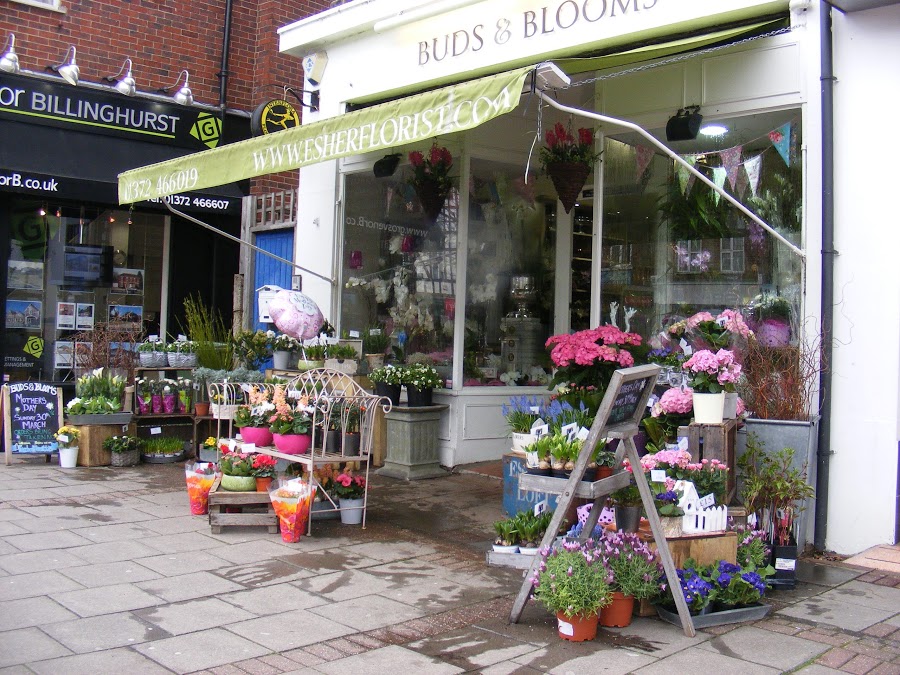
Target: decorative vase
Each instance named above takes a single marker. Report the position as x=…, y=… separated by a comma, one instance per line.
x=618, y=613
x=238, y=483
x=628, y=518
x=351, y=511
x=391, y=391
x=259, y=436
x=578, y=628
x=432, y=196
x=263, y=483
x=292, y=444
x=730, y=410
x=68, y=457
x=281, y=360
x=374, y=361
x=672, y=526
x=156, y=404
x=125, y=458
x=708, y=408
x=418, y=398
x=201, y=408
x=521, y=441
x=568, y=179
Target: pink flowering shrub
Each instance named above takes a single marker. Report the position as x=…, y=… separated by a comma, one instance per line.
x=585, y=361
x=674, y=400
x=673, y=410
x=713, y=372
x=705, y=331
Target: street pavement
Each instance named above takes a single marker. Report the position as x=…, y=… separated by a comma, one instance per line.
x=104, y=570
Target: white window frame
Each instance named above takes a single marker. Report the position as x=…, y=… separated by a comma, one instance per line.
x=52, y=5
x=693, y=247
x=731, y=255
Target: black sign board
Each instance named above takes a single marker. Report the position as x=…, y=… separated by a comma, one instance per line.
x=627, y=395
x=32, y=413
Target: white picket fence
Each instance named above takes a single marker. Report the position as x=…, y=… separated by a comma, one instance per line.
x=697, y=520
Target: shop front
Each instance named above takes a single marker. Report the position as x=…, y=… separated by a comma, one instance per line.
x=75, y=259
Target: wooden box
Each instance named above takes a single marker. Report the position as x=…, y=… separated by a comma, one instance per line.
x=247, y=509
x=90, y=443
x=704, y=549
x=714, y=441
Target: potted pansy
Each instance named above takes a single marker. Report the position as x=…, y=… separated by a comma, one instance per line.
x=421, y=380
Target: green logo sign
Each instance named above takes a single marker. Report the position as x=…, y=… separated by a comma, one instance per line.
x=207, y=129
x=34, y=346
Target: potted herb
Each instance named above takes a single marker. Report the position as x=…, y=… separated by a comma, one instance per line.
x=388, y=381
x=421, y=380
x=125, y=450
x=572, y=583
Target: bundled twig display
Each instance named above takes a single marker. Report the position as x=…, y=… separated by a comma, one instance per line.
x=111, y=348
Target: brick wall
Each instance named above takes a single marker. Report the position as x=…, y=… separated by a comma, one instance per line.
x=162, y=37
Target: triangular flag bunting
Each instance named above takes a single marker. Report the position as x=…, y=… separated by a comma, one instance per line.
x=742, y=182
x=643, y=156
x=718, y=177
x=685, y=177
x=781, y=139
x=731, y=160
x=752, y=166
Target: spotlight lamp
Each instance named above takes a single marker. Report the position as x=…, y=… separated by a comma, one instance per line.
x=685, y=124
x=183, y=96
x=68, y=69
x=9, y=62
x=126, y=85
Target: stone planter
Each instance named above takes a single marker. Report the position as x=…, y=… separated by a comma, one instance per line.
x=412, y=443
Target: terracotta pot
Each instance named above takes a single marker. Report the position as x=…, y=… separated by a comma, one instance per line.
x=259, y=436
x=604, y=472
x=578, y=628
x=263, y=483
x=618, y=613
x=292, y=444
x=201, y=409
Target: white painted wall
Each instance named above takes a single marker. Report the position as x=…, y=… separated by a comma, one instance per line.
x=865, y=366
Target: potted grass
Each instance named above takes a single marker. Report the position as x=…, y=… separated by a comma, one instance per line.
x=375, y=343
x=342, y=358
x=161, y=450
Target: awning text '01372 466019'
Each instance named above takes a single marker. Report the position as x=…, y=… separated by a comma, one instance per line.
x=399, y=122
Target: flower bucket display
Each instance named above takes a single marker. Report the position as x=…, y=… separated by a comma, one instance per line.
x=521, y=441
x=618, y=613
x=292, y=503
x=568, y=179
x=709, y=408
x=68, y=457
x=351, y=511
x=259, y=436
x=578, y=628
x=292, y=444
x=200, y=477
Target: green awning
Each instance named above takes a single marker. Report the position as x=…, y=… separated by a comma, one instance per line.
x=400, y=122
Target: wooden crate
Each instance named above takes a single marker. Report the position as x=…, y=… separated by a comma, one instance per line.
x=714, y=441
x=249, y=509
x=704, y=549
x=90, y=443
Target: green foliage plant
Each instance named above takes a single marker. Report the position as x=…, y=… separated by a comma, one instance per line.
x=211, y=338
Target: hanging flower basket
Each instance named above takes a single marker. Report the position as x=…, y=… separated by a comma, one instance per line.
x=432, y=196
x=568, y=179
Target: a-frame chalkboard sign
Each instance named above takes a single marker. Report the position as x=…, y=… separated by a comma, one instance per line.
x=619, y=415
x=32, y=413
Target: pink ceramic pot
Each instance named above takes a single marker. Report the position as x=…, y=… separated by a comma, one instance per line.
x=259, y=436
x=292, y=444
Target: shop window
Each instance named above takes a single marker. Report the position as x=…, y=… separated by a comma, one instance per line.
x=398, y=268
x=691, y=250
x=48, y=4
x=510, y=277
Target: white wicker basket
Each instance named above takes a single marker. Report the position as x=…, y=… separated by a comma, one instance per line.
x=154, y=359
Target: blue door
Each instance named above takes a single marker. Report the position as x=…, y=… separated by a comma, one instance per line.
x=268, y=271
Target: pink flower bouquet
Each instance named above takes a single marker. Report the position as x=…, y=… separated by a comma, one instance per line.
x=711, y=372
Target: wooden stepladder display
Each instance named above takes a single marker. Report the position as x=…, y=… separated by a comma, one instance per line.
x=619, y=415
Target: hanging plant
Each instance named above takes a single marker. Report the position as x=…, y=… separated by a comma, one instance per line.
x=568, y=161
x=431, y=178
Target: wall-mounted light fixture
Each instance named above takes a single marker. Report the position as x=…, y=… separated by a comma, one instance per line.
x=127, y=84
x=685, y=124
x=9, y=62
x=68, y=69
x=313, y=104
x=183, y=96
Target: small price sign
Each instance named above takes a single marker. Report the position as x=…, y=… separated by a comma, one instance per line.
x=657, y=476
x=155, y=431
x=707, y=501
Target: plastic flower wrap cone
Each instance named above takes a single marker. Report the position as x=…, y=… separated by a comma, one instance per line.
x=200, y=477
x=292, y=502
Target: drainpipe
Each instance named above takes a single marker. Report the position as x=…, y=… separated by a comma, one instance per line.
x=823, y=455
x=226, y=48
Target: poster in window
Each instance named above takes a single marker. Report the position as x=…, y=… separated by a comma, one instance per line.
x=84, y=351
x=128, y=281
x=26, y=274
x=65, y=316
x=126, y=317
x=84, y=317
x=24, y=314
x=64, y=354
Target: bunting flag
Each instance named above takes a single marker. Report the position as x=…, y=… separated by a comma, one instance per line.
x=742, y=182
x=731, y=160
x=752, y=166
x=781, y=139
x=643, y=155
x=719, y=175
x=686, y=178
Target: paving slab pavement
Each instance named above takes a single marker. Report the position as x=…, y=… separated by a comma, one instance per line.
x=104, y=570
